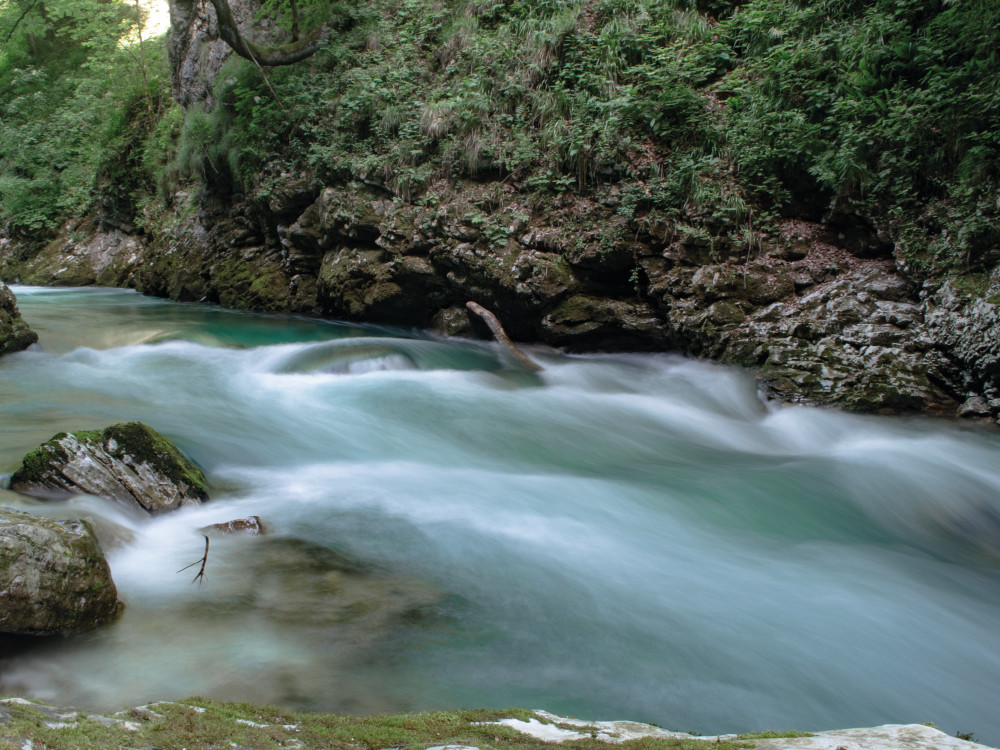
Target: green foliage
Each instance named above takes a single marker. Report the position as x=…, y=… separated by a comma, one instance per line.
x=723, y=112
x=890, y=107
x=71, y=101
x=475, y=89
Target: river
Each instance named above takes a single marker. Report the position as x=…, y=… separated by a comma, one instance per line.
x=616, y=537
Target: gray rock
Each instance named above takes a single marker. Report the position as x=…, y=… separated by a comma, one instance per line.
x=291, y=580
x=129, y=463
x=558, y=729
x=453, y=321
x=974, y=406
x=249, y=526
x=15, y=334
x=969, y=327
x=53, y=576
x=839, y=344
x=592, y=322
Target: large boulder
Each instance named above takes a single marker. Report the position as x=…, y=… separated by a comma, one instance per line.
x=53, y=576
x=14, y=332
x=129, y=463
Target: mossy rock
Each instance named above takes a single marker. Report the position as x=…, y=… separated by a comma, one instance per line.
x=53, y=576
x=15, y=334
x=130, y=463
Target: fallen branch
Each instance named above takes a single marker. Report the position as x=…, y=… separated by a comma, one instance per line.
x=522, y=359
x=201, y=571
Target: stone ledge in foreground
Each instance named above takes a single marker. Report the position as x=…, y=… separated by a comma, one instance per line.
x=557, y=729
x=197, y=724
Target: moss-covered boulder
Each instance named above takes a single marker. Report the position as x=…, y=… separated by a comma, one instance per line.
x=130, y=463
x=15, y=334
x=53, y=576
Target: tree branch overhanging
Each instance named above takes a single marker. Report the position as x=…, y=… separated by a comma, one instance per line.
x=283, y=54
x=18, y=21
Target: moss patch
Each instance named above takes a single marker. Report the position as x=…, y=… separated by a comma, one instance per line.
x=37, y=463
x=198, y=723
x=146, y=445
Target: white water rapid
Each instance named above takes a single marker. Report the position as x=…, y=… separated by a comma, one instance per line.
x=626, y=537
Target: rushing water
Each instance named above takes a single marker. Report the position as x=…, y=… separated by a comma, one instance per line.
x=615, y=537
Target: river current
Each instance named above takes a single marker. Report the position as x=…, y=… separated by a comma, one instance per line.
x=615, y=537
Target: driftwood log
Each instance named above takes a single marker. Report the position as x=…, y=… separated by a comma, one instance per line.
x=521, y=359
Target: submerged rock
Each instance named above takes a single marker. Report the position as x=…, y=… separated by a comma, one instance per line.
x=15, y=334
x=53, y=576
x=129, y=463
x=290, y=580
x=249, y=526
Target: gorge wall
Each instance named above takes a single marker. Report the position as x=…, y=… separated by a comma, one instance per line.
x=825, y=309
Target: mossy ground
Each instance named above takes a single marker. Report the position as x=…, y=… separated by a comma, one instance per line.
x=198, y=723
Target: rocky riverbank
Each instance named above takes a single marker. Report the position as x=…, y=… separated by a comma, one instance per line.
x=821, y=320
x=197, y=723
x=831, y=302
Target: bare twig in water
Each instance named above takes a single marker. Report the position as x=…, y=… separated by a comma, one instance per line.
x=502, y=338
x=201, y=571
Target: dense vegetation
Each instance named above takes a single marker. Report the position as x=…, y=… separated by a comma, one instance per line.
x=77, y=94
x=732, y=114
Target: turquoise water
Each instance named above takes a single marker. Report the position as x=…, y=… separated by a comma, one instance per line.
x=616, y=537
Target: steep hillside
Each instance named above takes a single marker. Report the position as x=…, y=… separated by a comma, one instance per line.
x=808, y=189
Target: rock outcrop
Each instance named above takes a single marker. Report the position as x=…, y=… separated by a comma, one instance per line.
x=558, y=729
x=967, y=327
x=821, y=320
x=129, y=463
x=53, y=576
x=15, y=334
